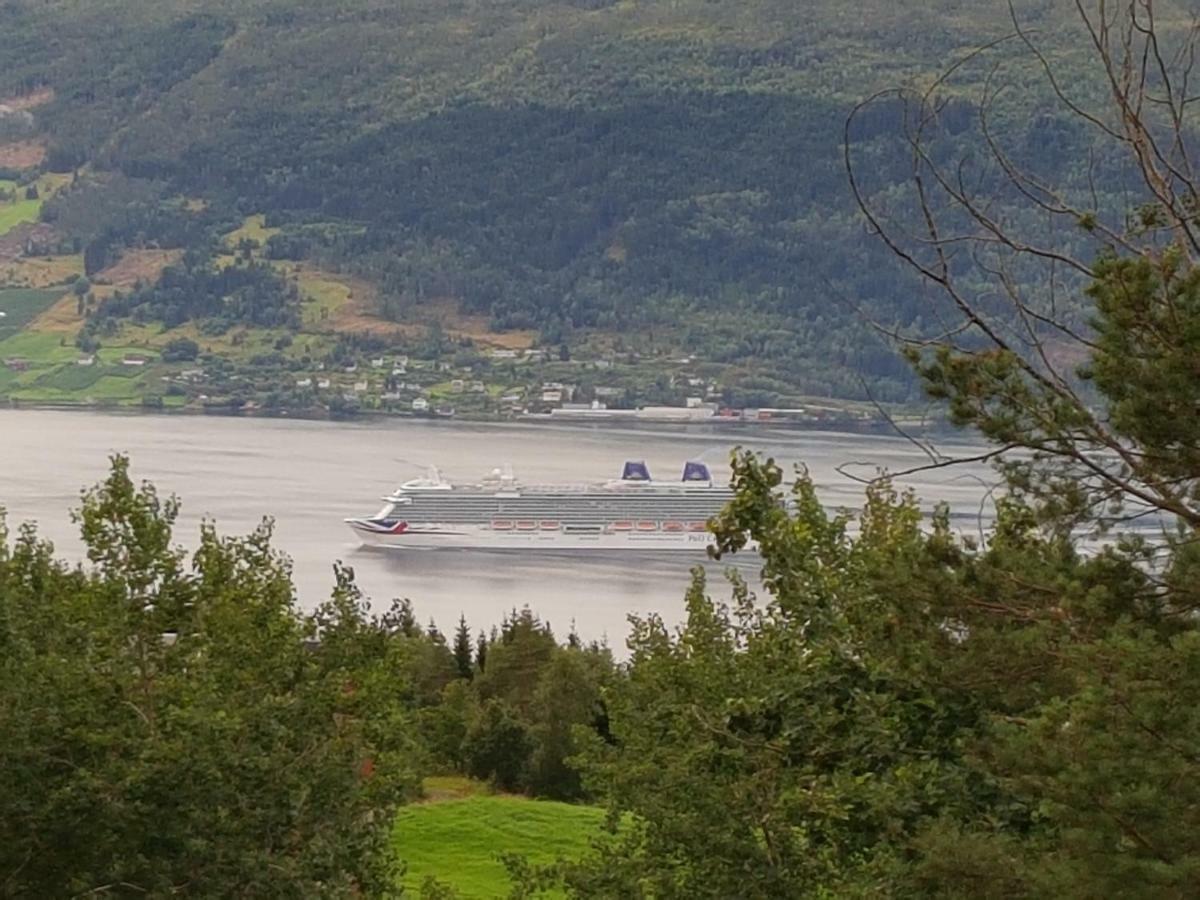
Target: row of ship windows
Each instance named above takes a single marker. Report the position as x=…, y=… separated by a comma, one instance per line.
x=580, y=516
x=438, y=509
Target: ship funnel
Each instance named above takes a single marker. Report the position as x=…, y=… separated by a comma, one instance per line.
x=635, y=470
x=696, y=471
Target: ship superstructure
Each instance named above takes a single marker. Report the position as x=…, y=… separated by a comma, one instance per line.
x=634, y=512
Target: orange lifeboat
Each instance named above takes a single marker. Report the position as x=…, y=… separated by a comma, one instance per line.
x=647, y=526
x=549, y=525
x=672, y=526
x=526, y=525
x=697, y=526
x=622, y=526
x=501, y=525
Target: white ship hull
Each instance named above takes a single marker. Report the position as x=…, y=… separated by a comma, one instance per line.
x=480, y=537
x=629, y=515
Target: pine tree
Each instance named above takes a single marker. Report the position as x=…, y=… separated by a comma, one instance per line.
x=434, y=634
x=462, y=649
x=481, y=651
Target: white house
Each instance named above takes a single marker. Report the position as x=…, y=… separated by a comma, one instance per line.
x=420, y=404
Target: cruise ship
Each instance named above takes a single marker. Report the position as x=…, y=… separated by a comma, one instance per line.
x=630, y=513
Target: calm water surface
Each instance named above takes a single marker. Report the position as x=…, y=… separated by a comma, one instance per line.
x=309, y=475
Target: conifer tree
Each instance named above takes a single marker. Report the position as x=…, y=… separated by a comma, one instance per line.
x=481, y=651
x=462, y=649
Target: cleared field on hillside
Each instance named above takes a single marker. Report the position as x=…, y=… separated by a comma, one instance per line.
x=22, y=154
x=21, y=306
x=14, y=214
x=41, y=271
x=254, y=228
x=136, y=266
x=457, y=841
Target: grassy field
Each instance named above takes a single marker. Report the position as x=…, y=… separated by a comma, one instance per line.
x=21, y=306
x=14, y=214
x=41, y=271
x=457, y=836
x=22, y=210
x=254, y=228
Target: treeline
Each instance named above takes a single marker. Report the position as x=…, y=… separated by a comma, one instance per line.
x=503, y=707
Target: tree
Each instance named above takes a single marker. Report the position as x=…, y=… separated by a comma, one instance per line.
x=567, y=696
x=526, y=645
x=496, y=746
x=481, y=651
x=176, y=726
x=462, y=649
x=905, y=709
x=180, y=350
x=1079, y=352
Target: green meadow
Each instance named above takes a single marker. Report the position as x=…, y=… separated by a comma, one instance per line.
x=14, y=214
x=458, y=841
x=21, y=306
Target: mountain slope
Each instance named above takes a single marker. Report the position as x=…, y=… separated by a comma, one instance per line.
x=666, y=167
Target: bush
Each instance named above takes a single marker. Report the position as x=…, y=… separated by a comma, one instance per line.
x=181, y=350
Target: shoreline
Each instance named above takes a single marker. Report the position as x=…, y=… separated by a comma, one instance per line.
x=853, y=426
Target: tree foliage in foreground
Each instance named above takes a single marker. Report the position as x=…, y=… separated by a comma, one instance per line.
x=170, y=725
x=906, y=714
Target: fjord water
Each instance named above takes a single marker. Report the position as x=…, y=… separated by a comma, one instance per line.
x=309, y=475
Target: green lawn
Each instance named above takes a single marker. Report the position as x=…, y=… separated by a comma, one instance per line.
x=457, y=840
x=21, y=306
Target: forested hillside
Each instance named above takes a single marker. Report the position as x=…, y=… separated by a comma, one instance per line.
x=668, y=171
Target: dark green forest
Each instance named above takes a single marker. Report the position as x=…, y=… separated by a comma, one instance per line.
x=575, y=168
